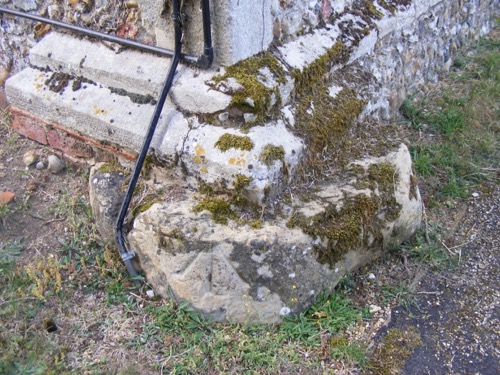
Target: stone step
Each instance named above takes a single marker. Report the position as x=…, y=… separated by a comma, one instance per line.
x=91, y=110
x=209, y=153
x=130, y=71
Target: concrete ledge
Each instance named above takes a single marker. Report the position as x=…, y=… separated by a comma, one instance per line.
x=91, y=110
x=132, y=71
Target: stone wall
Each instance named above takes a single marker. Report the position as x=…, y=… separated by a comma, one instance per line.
x=421, y=49
x=240, y=28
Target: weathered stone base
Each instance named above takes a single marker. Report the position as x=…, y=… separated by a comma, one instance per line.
x=242, y=274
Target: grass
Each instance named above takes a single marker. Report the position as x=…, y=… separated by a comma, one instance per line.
x=453, y=134
x=455, y=150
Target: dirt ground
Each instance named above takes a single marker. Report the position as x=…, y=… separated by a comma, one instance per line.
x=458, y=312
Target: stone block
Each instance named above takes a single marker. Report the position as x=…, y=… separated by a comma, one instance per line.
x=131, y=72
x=91, y=110
x=203, y=157
x=241, y=274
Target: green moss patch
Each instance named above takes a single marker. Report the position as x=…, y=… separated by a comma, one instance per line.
x=246, y=74
x=219, y=208
x=228, y=141
x=353, y=225
x=270, y=153
x=324, y=121
x=111, y=168
x=345, y=229
x=392, y=353
x=148, y=202
x=313, y=75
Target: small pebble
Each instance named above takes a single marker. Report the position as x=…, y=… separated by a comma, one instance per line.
x=29, y=157
x=150, y=293
x=374, y=309
x=249, y=117
x=6, y=197
x=40, y=165
x=475, y=195
x=55, y=164
x=223, y=116
x=371, y=276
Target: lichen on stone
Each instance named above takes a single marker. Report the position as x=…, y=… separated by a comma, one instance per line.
x=228, y=141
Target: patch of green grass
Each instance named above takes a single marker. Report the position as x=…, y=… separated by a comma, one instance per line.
x=8, y=251
x=330, y=314
x=343, y=349
x=191, y=343
x=456, y=147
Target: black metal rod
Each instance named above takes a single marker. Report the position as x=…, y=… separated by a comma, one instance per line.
x=97, y=34
x=127, y=256
x=208, y=52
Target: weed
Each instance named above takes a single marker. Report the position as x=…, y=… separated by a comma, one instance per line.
x=8, y=251
x=344, y=350
x=402, y=294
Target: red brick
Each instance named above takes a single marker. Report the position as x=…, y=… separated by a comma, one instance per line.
x=29, y=128
x=68, y=141
x=4, y=104
x=69, y=145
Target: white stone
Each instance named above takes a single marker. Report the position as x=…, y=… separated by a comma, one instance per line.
x=92, y=110
x=204, y=160
x=191, y=93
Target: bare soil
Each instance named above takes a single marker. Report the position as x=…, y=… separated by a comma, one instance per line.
x=35, y=217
